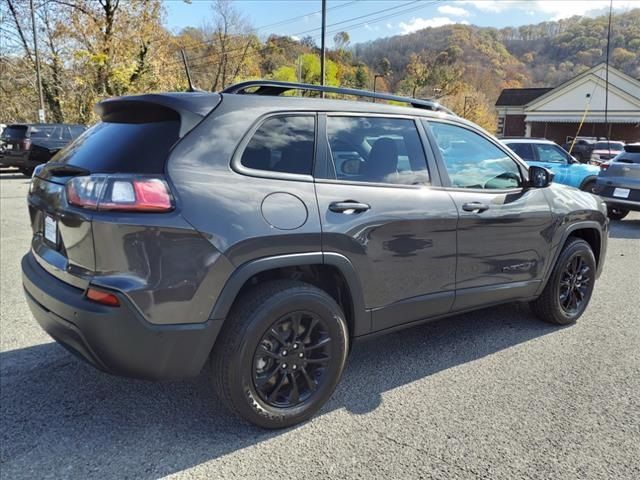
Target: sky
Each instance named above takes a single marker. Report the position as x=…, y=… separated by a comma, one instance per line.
x=370, y=19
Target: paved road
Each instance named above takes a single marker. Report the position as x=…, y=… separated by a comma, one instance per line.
x=494, y=394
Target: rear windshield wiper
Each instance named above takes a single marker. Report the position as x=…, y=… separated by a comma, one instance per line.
x=55, y=168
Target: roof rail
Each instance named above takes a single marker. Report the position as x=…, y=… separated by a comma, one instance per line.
x=275, y=88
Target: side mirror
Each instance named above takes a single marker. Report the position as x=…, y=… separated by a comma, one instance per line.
x=539, y=177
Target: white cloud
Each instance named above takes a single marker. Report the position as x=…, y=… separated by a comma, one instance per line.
x=295, y=37
x=375, y=28
x=455, y=11
x=418, y=23
x=389, y=26
x=566, y=8
x=494, y=6
x=555, y=9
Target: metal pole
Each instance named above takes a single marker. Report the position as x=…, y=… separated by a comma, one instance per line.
x=41, y=116
x=606, y=81
x=322, y=43
x=375, y=78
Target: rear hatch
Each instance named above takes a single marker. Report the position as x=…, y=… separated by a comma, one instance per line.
x=15, y=141
x=620, y=178
x=115, y=169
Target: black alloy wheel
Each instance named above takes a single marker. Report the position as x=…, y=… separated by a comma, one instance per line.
x=574, y=284
x=281, y=353
x=291, y=359
x=568, y=289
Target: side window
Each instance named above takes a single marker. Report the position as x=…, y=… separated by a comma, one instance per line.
x=282, y=144
x=523, y=150
x=472, y=161
x=379, y=150
x=66, y=133
x=550, y=153
x=76, y=131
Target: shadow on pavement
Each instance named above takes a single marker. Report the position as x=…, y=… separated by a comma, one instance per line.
x=627, y=228
x=79, y=422
x=11, y=174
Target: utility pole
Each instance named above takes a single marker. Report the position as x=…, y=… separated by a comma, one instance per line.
x=322, y=43
x=41, y=117
x=606, y=82
x=375, y=78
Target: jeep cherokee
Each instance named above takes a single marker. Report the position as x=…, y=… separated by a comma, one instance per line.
x=266, y=232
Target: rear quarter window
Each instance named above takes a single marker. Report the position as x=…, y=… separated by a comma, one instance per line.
x=282, y=144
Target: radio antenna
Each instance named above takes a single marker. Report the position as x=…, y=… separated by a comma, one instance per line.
x=186, y=70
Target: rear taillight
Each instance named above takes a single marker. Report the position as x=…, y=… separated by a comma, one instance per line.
x=25, y=144
x=130, y=193
x=604, y=166
x=102, y=297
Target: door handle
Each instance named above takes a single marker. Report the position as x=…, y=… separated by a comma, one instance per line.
x=475, y=207
x=348, y=207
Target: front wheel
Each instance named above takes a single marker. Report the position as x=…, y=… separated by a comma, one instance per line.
x=615, y=213
x=281, y=353
x=568, y=290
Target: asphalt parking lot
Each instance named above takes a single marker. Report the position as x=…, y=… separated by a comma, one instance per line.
x=493, y=394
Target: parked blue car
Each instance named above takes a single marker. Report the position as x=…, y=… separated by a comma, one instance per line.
x=545, y=153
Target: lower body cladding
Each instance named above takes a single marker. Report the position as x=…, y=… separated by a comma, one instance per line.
x=117, y=340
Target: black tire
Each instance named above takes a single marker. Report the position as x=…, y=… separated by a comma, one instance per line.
x=238, y=361
x=555, y=304
x=27, y=172
x=615, y=213
x=589, y=187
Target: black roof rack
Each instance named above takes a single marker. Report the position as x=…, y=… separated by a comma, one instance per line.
x=275, y=88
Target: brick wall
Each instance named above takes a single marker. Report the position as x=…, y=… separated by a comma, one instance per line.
x=514, y=126
x=558, y=132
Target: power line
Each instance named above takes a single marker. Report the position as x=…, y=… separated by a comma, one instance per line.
x=421, y=5
x=282, y=22
x=349, y=27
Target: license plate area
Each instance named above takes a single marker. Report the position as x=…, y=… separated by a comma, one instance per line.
x=50, y=230
x=621, y=192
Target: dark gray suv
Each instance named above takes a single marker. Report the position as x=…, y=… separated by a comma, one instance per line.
x=267, y=232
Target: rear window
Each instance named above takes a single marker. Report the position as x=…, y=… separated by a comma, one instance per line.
x=14, y=132
x=628, y=157
x=110, y=147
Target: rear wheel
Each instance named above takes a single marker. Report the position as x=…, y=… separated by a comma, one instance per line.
x=27, y=172
x=589, y=186
x=568, y=290
x=281, y=353
x=615, y=213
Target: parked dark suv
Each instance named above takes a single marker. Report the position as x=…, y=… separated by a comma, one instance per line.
x=27, y=145
x=268, y=232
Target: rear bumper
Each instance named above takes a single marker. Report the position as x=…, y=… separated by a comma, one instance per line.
x=20, y=160
x=117, y=340
x=620, y=203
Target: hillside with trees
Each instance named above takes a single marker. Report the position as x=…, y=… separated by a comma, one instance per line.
x=93, y=49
